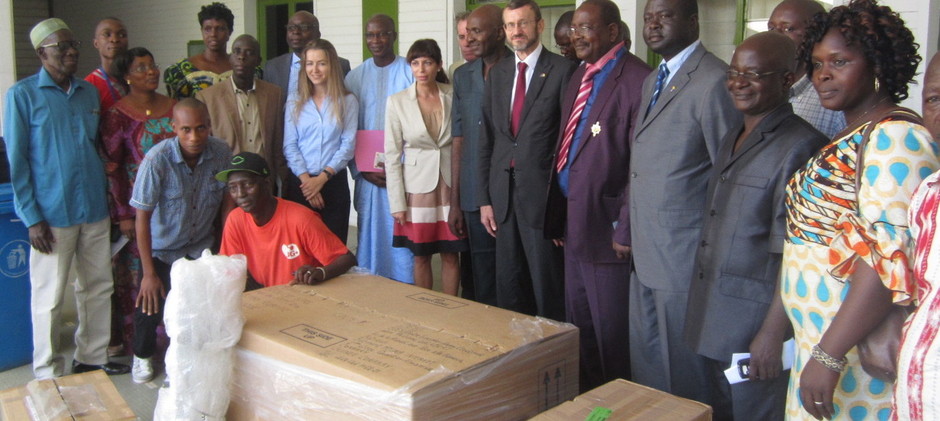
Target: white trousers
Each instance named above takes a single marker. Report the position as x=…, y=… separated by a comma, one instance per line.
x=88, y=245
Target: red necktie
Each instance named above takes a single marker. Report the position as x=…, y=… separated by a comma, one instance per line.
x=587, y=83
x=519, y=98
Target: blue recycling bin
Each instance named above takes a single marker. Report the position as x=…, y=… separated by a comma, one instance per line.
x=16, y=334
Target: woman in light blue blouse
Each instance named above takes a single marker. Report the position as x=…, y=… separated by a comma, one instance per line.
x=320, y=136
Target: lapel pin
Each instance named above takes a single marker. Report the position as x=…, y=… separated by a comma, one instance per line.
x=542, y=75
x=596, y=128
x=672, y=88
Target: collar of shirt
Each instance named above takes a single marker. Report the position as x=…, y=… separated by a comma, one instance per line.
x=800, y=87
x=676, y=62
x=530, y=60
x=607, y=57
x=45, y=81
x=294, y=60
x=239, y=91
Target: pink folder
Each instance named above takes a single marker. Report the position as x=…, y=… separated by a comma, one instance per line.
x=370, y=150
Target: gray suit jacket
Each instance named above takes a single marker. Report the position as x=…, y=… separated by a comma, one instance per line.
x=532, y=148
x=674, y=147
x=738, y=262
x=277, y=71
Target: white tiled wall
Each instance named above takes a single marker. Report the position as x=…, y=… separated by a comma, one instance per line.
x=7, y=67
x=341, y=24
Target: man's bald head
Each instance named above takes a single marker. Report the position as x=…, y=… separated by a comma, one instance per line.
x=191, y=105
x=489, y=12
x=382, y=19
x=791, y=16
x=774, y=51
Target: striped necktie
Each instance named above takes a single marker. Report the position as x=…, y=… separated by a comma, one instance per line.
x=587, y=83
x=660, y=81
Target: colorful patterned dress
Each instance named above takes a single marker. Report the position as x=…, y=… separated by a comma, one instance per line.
x=918, y=386
x=828, y=229
x=183, y=79
x=126, y=136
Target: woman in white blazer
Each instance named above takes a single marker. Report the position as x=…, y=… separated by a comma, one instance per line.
x=417, y=165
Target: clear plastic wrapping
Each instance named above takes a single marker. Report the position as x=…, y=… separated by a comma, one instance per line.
x=526, y=366
x=204, y=321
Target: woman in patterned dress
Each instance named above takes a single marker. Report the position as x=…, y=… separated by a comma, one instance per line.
x=917, y=394
x=847, y=255
x=130, y=128
x=209, y=67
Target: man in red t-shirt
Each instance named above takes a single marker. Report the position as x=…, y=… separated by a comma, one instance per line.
x=285, y=243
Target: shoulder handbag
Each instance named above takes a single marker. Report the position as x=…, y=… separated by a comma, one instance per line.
x=878, y=351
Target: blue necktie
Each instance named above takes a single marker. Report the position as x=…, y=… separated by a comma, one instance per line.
x=660, y=79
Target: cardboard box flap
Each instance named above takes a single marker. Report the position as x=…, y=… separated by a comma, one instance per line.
x=407, y=344
x=626, y=400
x=85, y=397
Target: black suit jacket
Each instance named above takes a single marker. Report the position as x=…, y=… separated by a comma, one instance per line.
x=738, y=260
x=531, y=150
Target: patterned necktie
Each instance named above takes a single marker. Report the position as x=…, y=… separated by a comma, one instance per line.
x=587, y=83
x=519, y=98
x=660, y=81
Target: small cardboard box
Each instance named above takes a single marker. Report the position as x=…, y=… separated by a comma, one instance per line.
x=85, y=397
x=365, y=347
x=624, y=400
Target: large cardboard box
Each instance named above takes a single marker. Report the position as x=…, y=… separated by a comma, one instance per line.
x=365, y=347
x=84, y=397
x=624, y=400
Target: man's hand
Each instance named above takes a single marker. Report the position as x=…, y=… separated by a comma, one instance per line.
x=308, y=275
x=455, y=221
x=558, y=242
x=488, y=219
x=766, y=362
x=377, y=178
x=127, y=228
x=40, y=237
x=151, y=291
x=399, y=217
x=622, y=251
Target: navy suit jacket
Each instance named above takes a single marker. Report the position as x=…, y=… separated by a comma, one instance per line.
x=738, y=262
x=599, y=171
x=531, y=148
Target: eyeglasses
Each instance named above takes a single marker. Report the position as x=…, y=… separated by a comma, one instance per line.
x=145, y=68
x=782, y=29
x=63, y=46
x=522, y=24
x=582, y=30
x=376, y=35
x=750, y=76
x=301, y=28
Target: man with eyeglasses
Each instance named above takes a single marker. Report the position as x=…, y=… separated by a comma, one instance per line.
x=485, y=37
x=110, y=41
x=248, y=113
x=284, y=242
x=302, y=28
x=59, y=187
x=563, y=38
x=521, y=110
x=373, y=81
x=685, y=113
x=587, y=204
x=790, y=18
x=735, y=306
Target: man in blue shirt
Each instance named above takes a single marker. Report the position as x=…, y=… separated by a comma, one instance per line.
x=50, y=126
x=177, y=199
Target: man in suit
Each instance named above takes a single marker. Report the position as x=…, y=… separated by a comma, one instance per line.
x=521, y=110
x=302, y=28
x=686, y=111
x=590, y=187
x=486, y=39
x=733, y=301
x=248, y=113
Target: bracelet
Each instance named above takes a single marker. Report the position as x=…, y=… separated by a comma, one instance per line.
x=828, y=361
x=323, y=271
x=329, y=175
